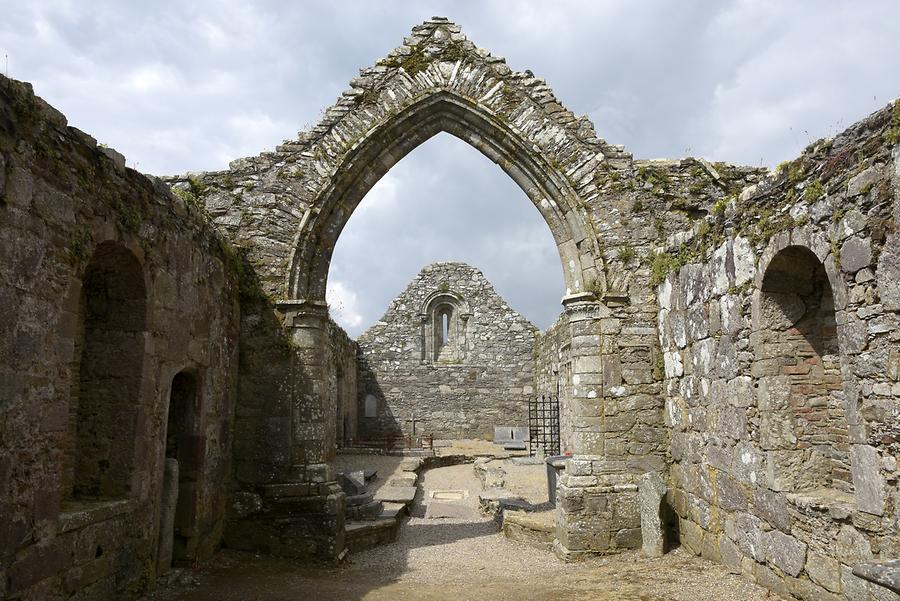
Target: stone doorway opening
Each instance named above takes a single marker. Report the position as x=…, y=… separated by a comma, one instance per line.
x=184, y=450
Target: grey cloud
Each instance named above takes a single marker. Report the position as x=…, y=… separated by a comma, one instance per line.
x=180, y=86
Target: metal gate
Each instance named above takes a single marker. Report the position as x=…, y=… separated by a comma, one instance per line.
x=543, y=424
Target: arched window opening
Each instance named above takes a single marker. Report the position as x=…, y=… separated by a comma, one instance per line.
x=803, y=423
x=107, y=376
x=445, y=318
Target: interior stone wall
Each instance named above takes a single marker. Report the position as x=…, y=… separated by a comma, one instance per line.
x=344, y=367
x=606, y=211
x=110, y=286
x=486, y=383
x=553, y=373
x=780, y=329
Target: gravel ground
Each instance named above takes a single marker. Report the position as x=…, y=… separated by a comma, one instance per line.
x=526, y=481
x=463, y=559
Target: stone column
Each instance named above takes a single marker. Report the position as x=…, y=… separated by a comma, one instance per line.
x=312, y=429
x=302, y=512
x=596, y=509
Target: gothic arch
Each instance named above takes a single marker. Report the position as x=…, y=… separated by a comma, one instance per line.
x=394, y=139
x=440, y=82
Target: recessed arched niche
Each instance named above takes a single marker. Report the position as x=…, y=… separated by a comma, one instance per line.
x=445, y=321
x=803, y=418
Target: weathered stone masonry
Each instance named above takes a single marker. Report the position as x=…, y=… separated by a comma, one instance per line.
x=611, y=216
x=285, y=209
x=479, y=377
x=733, y=331
x=117, y=349
x=780, y=336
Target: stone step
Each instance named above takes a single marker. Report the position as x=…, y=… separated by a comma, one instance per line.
x=362, y=535
x=404, y=479
x=396, y=494
x=393, y=510
x=493, y=501
x=366, y=511
x=536, y=529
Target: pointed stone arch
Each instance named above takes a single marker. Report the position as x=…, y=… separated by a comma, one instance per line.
x=437, y=82
x=387, y=143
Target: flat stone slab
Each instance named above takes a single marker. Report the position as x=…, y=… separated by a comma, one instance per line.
x=379, y=524
x=440, y=509
x=449, y=495
x=882, y=573
x=527, y=460
x=536, y=529
x=494, y=500
x=515, y=445
x=396, y=494
x=404, y=479
x=543, y=521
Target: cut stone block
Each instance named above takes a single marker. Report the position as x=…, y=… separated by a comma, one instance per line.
x=651, y=490
x=396, y=494
x=507, y=434
x=882, y=573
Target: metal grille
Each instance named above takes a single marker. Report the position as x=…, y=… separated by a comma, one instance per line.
x=543, y=424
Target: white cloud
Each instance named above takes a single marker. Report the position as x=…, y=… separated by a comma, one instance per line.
x=343, y=305
x=151, y=78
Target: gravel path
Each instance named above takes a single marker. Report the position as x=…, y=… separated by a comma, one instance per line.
x=465, y=559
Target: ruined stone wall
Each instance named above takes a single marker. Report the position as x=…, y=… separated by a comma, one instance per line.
x=343, y=351
x=605, y=210
x=553, y=373
x=110, y=286
x=613, y=406
x=482, y=378
x=779, y=323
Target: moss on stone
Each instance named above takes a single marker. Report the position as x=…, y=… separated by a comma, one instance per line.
x=661, y=265
x=892, y=134
x=814, y=191
x=625, y=253
x=367, y=98
x=792, y=170
x=413, y=63
x=455, y=50
x=76, y=250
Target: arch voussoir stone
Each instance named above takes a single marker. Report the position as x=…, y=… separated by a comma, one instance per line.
x=438, y=81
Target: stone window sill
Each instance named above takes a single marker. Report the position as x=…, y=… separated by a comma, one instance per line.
x=824, y=499
x=80, y=513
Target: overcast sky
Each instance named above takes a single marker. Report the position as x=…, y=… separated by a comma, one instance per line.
x=186, y=86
